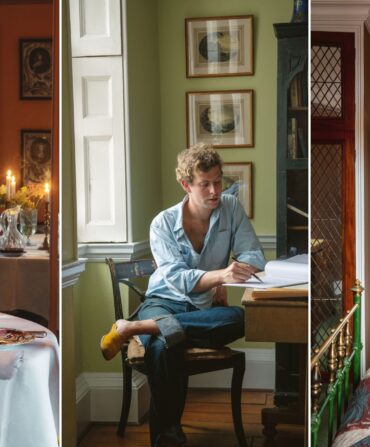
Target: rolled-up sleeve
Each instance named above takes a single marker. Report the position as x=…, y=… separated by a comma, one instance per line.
x=245, y=245
x=178, y=277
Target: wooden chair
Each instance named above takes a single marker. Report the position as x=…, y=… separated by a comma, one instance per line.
x=197, y=360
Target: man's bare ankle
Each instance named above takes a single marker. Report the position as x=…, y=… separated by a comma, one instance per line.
x=122, y=327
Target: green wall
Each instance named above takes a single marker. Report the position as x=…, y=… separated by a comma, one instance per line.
x=174, y=84
x=69, y=247
x=161, y=87
x=157, y=84
x=145, y=117
x=69, y=224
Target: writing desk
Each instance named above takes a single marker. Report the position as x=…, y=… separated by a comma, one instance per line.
x=280, y=321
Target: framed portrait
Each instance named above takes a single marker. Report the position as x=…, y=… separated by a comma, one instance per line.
x=237, y=180
x=36, y=68
x=220, y=118
x=219, y=46
x=36, y=156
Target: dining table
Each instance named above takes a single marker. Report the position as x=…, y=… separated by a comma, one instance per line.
x=25, y=279
x=29, y=388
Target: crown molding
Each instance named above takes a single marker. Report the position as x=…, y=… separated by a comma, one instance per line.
x=334, y=10
x=367, y=23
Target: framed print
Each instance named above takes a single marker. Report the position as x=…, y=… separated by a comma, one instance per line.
x=237, y=180
x=36, y=156
x=36, y=68
x=220, y=118
x=219, y=46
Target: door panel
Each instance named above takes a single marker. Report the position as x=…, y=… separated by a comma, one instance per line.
x=332, y=179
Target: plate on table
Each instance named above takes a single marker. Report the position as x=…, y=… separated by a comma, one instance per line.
x=12, y=253
x=12, y=337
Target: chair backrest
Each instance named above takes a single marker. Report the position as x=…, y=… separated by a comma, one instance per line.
x=124, y=271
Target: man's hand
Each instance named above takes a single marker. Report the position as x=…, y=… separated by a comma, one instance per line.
x=220, y=296
x=234, y=273
x=238, y=272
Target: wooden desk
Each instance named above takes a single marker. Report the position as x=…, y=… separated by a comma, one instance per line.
x=280, y=321
x=263, y=320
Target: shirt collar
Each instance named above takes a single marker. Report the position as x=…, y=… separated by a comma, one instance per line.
x=180, y=210
x=214, y=216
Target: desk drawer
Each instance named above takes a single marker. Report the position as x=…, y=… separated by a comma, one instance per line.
x=278, y=324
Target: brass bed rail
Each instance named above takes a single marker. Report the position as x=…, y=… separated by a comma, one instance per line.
x=342, y=354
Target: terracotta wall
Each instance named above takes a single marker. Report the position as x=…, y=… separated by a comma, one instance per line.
x=16, y=22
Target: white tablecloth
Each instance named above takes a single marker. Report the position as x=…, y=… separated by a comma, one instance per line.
x=29, y=389
x=24, y=280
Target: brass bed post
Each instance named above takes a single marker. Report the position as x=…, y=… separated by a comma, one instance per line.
x=341, y=356
x=357, y=345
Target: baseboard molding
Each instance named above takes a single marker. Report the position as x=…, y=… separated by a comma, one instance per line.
x=99, y=398
x=99, y=395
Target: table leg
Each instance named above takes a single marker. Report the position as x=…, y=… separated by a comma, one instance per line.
x=293, y=414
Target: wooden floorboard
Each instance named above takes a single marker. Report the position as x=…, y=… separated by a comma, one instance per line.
x=206, y=421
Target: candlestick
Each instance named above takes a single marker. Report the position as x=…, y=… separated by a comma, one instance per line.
x=47, y=192
x=45, y=245
x=8, y=182
x=12, y=186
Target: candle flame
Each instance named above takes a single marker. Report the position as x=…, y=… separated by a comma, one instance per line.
x=47, y=188
x=9, y=173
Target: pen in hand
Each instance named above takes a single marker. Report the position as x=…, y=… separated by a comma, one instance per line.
x=253, y=274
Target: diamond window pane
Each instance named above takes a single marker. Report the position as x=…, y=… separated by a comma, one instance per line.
x=326, y=82
x=326, y=240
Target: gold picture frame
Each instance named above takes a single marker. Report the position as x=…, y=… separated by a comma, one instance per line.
x=36, y=153
x=237, y=180
x=36, y=80
x=223, y=119
x=219, y=46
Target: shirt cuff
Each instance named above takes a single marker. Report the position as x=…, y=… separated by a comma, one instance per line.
x=255, y=259
x=192, y=278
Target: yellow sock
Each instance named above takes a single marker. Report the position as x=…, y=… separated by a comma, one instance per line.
x=111, y=343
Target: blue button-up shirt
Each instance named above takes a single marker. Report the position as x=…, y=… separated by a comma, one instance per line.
x=180, y=267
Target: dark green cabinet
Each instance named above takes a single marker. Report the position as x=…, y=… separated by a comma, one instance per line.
x=292, y=179
x=292, y=139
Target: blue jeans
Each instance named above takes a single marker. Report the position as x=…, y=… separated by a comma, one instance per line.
x=181, y=325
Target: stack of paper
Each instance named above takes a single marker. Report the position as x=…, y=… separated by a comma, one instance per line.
x=280, y=273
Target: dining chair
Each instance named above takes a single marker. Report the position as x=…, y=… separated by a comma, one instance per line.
x=197, y=360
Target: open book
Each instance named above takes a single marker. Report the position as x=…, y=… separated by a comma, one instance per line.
x=280, y=273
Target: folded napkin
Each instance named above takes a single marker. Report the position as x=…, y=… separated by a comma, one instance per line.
x=10, y=361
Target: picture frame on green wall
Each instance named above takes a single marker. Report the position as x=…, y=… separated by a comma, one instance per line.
x=219, y=46
x=35, y=68
x=237, y=180
x=223, y=119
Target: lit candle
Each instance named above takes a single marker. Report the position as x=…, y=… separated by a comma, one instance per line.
x=47, y=192
x=12, y=186
x=8, y=182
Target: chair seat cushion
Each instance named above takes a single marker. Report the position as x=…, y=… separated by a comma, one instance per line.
x=136, y=352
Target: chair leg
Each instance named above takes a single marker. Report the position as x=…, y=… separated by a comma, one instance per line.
x=126, y=399
x=236, y=393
